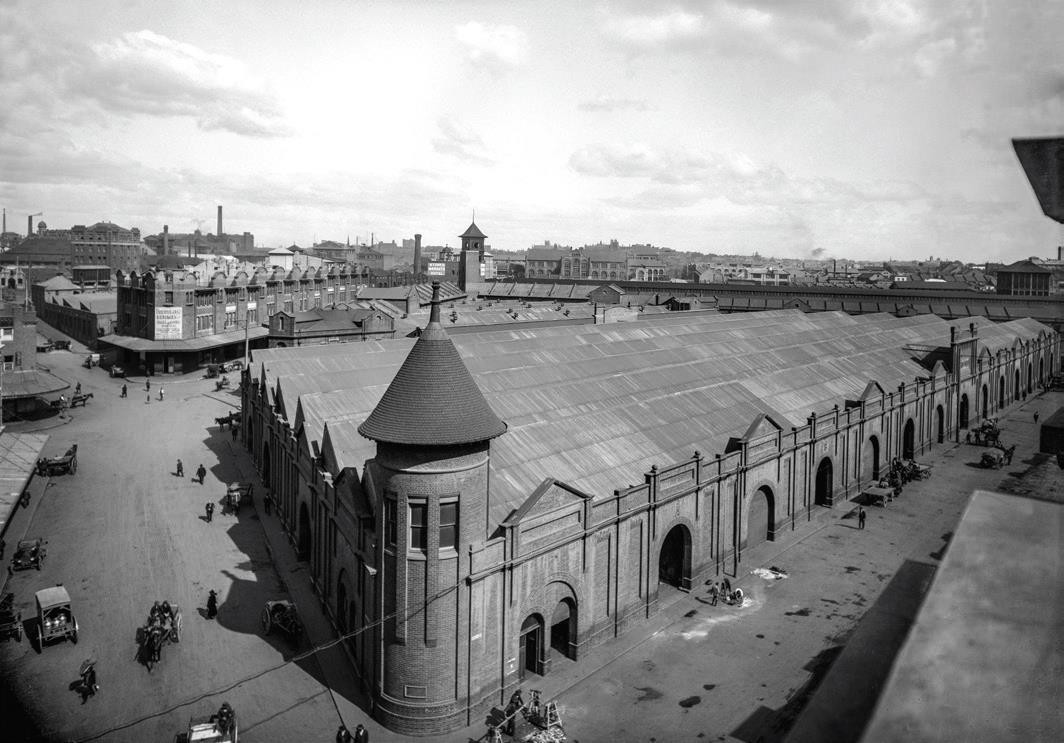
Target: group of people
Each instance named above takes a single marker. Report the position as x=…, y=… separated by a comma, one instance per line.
x=723, y=592
x=161, y=613
x=361, y=735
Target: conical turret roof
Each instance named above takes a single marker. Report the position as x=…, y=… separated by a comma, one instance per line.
x=433, y=400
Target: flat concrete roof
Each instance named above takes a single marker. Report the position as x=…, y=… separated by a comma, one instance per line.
x=985, y=658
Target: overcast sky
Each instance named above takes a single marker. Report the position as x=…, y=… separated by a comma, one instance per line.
x=835, y=128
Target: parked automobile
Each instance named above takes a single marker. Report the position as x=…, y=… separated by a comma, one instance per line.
x=117, y=370
x=29, y=554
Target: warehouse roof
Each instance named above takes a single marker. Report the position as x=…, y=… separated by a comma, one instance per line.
x=596, y=405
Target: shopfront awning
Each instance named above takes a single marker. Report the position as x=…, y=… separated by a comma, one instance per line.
x=185, y=345
x=25, y=383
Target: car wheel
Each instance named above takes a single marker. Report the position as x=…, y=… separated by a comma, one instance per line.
x=74, y=634
x=18, y=632
x=40, y=640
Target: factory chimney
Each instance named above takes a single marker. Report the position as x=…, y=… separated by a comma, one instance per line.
x=29, y=226
x=166, y=239
x=417, y=257
x=219, y=233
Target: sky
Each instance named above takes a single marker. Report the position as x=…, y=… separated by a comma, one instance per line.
x=862, y=129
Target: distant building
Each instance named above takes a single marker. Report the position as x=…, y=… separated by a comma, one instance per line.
x=178, y=321
x=338, y=325
x=1027, y=279
x=83, y=314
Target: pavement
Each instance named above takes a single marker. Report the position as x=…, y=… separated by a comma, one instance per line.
x=125, y=531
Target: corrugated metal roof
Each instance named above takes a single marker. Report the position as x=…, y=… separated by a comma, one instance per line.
x=596, y=405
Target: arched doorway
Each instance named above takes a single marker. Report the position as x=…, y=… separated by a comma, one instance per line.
x=986, y=402
x=674, y=561
x=1016, y=392
x=1001, y=392
x=964, y=411
x=531, y=646
x=761, y=523
x=304, y=532
x=825, y=481
x=563, y=628
x=1041, y=371
x=941, y=416
x=1030, y=375
x=908, y=440
x=341, y=604
x=870, y=465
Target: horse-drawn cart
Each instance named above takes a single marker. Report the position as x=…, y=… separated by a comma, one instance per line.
x=284, y=616
x=162, y=627
x=238, y=494
x=66, y=464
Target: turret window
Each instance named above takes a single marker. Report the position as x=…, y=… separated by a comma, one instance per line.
x=419, y=522
x=448, y=525
x=390, y=522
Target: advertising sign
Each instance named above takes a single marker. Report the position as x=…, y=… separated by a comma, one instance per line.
x=168, y=323
x=436, y=269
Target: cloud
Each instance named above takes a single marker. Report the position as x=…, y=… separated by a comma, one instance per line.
x=494, y=46
x=609, y=104
x=675, y=28
x=461, y=142
x=144, y=72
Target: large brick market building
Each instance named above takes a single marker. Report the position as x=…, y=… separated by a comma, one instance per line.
x=474, y=509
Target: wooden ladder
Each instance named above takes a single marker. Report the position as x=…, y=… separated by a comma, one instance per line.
x=553, y=717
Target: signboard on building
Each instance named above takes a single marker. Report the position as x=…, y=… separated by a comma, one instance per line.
x=168, y=323
x=436, y=268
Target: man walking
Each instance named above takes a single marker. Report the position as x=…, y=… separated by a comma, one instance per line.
x=147, y=385
x=860, y=517
x=210, y=511
x=201, y=472
x=124, y=390
x=180, y=468
x=162, y=393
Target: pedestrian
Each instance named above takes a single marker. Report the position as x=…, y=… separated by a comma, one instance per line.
x=147, y=399
x=77, y=391
x=212, y=604
x=201, y=472
x=161, y=394
x=147, y=385
x=860, y=517
x=361, y=734
x=180, y=468
x=726, y=586
x=1036, y=416
x=89, y=687
x=210, y=511
x=124, y=390
x=968, y=437
x=342, y=734
x=713, y=594
x=232, y=426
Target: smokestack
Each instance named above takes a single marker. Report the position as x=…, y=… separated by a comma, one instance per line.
x=834, y=268
x=219, y=233
x=29, y=226
x=166, y=239
x=417, y=256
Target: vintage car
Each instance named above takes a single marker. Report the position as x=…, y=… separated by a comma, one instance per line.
x=55, y=618
x=117, y=370
x=29, y=554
